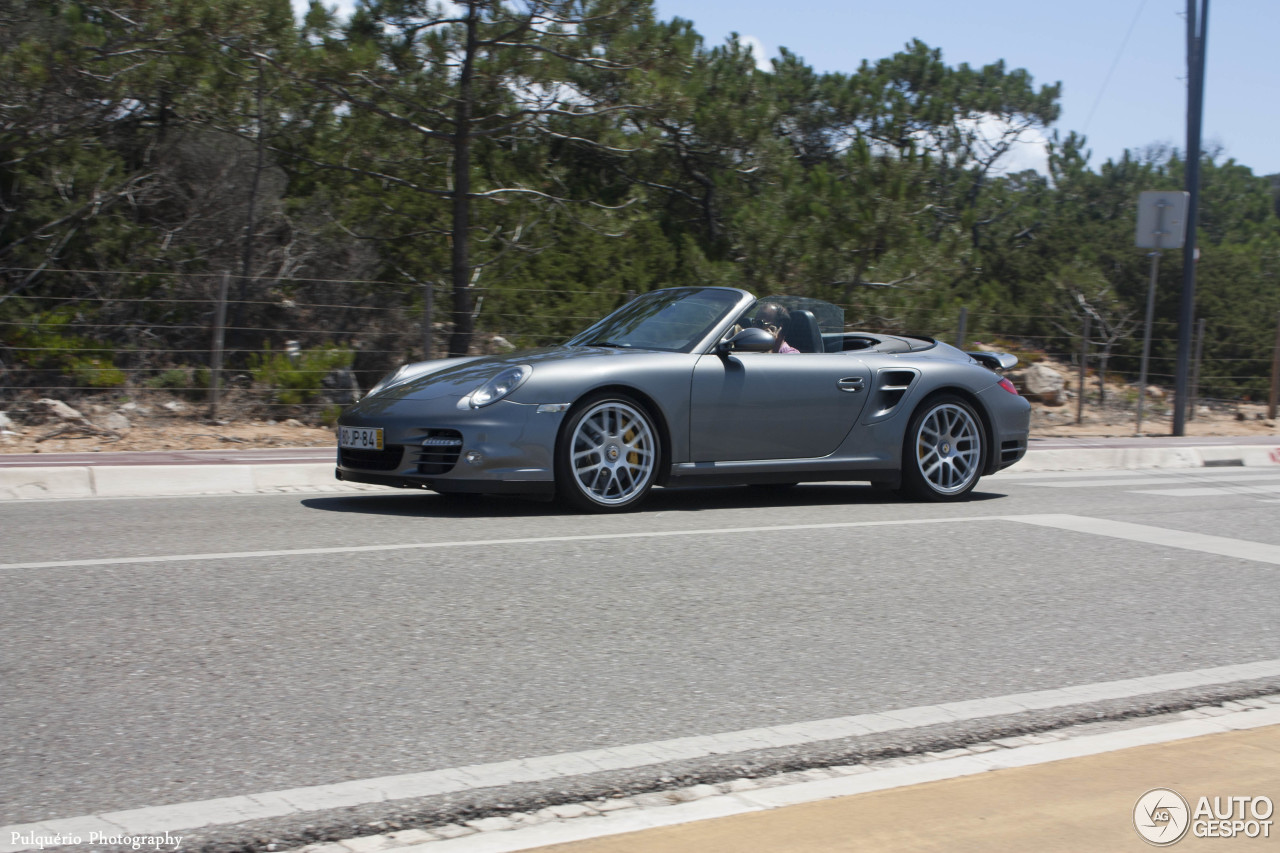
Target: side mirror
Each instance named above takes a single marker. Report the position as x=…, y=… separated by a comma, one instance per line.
x=749, y=340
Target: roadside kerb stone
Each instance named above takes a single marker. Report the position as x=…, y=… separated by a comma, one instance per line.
x=35, y=483
x=662, y=808
x=133, y=481
x=1107, y=458
x=292, y=476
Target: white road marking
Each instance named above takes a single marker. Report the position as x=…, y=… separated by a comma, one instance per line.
x=1220, y=545
x=1158, y=481
x=191, y=815
x=1205, y=491
x=480, y=543
x=1044, y=478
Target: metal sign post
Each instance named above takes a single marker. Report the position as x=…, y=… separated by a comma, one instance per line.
x=1162, y=224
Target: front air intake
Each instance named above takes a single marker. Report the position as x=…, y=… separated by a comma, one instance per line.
x=387, y=459
x=439, y=451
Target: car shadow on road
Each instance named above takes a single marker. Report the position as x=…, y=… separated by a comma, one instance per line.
x=434, y=505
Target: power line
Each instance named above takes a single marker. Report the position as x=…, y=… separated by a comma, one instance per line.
x=1114, y=62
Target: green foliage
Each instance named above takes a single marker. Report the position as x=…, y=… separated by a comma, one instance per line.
x=96, y=372
x=296, y=379
x=329, y=415
x=47, y=342
x=175, y=379
x=192, y=383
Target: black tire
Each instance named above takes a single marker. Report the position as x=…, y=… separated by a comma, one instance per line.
x=608, y=455
x=944, y=451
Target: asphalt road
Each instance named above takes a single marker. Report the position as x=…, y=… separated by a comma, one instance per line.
x=158, y=651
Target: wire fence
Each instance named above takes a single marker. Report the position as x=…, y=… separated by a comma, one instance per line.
x=306, y=348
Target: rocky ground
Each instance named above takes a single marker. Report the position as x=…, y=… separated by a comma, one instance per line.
x=1053, y=390
x=170, y=424
x=1218, y=419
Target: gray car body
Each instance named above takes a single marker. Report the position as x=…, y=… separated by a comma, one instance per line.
x=723, y=417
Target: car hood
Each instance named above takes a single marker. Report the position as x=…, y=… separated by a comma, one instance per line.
x=460, y=377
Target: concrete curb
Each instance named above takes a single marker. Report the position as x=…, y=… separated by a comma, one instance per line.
x=107, y=481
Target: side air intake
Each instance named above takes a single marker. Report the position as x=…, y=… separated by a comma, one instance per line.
x=890, y=387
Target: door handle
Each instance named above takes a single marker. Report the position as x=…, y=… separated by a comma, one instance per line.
x=850, y=384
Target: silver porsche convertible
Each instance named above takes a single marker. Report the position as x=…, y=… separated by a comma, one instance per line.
x=693, y=386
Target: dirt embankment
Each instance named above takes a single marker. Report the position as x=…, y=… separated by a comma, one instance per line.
x=171, y=424
x=1053, y=390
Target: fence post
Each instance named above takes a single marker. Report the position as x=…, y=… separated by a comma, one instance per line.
x=964, y=317
x=428, y=317
x=1275, y=374
x=1195, y=372
x=1084, y=362
x=219, y=332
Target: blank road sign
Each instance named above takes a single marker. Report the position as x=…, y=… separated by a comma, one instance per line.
x=1162, y=219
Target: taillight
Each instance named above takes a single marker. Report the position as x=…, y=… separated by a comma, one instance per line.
x=1008, y=386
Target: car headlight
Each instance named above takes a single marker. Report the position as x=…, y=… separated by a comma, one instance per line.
x=500, y=386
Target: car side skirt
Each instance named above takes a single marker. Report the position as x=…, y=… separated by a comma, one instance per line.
x=772, y=471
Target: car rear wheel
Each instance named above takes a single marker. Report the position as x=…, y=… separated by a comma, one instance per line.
x=944, y=451
x=608, y=454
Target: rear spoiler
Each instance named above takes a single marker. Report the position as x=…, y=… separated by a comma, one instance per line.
x=997, y=361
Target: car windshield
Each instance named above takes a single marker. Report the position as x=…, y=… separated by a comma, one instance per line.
x=830, y=317
x=673, y=320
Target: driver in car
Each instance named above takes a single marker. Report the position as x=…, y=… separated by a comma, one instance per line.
x=772, y=317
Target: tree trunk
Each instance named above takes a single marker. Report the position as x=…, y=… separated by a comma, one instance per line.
x=460, y=340
x=250, y=225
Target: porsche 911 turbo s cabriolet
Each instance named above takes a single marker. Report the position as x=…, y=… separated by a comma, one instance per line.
x=693, y=386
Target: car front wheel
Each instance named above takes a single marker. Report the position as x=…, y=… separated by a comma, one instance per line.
x=608, y=454
x=944, y=451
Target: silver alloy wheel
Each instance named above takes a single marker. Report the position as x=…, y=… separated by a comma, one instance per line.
x=948, y=446
x=613, y=453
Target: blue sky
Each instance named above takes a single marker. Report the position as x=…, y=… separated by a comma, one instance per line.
x=1118, y=98
x=1076, y=42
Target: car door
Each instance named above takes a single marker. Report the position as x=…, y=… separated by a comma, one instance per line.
x=774, y=406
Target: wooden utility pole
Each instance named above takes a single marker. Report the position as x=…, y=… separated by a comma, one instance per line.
x=1197, y=41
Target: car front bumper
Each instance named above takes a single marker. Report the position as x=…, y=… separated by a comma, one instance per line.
x=433, y=444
